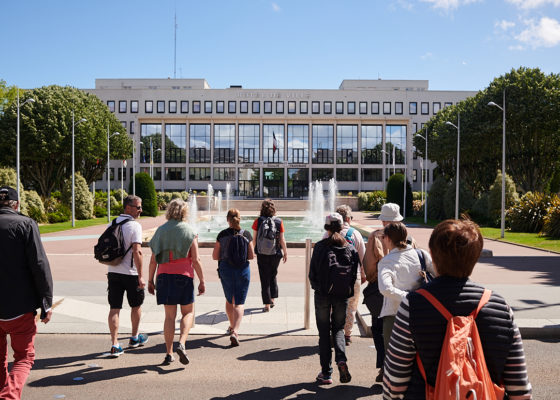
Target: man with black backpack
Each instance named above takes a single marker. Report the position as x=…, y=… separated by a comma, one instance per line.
x=126, y=275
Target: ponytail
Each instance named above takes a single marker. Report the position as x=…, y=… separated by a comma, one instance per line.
x=234, y=218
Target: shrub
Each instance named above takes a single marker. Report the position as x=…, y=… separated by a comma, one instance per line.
x=61, y=213
x=495, y=198
x=83, y=198
x=163, y=199
x=416, y=196
x=363, y=201
x=371, y=201
x=119, y=195
x=466, y=200
x=185, y=196
x=146, y=190
x=176, y=195
x=479, y=211
x=99, y=211
x=435, y=198
x=527, y=215
x=35, y=207
x=395, y=188
x=116, y=206
x=551, y=225
x=417, y=207
x=8, y=177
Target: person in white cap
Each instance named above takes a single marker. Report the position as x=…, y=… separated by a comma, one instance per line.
x=332, y=273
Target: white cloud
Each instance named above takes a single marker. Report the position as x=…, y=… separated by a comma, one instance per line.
x=407, y=5
x=516, y=48
x=464, y=62
x=529, y=4
x=275, y=7
x=426, y=56
x=448, y=5
x=504, y=25
x=544, y=33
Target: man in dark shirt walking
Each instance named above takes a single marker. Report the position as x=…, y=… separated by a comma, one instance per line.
x=25, y=285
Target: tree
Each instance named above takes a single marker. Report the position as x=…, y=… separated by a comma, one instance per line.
x=146, y=190
x=83, y=199
x=46, y=137
x=495, y=197
x=395, y=194
x=532, y=132
x=7, y=95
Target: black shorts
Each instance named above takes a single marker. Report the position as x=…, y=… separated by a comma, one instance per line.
x=118, y=284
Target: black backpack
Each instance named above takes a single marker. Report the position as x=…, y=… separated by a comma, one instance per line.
x=237, y=250
x=267, y=236
x=110, y=248
x=341, y=274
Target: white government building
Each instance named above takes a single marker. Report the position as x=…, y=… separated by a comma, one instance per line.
x=272, y=142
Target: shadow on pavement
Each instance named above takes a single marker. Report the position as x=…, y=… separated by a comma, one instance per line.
x=310, y=391
x=546, y=267
x=278, y=354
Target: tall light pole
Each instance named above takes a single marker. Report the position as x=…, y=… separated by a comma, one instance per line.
x=133, y=167
x=109, y=174
x=73, y=169
x=458, y=127
x=503, y=219
x=30, y=100
x=426, y=185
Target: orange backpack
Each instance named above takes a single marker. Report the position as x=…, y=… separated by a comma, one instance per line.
x=462, y=372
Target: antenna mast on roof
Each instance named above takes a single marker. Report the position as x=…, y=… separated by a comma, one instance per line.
x=175, y=47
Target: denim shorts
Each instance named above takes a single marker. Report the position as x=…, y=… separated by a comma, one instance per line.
x=173, y=289
x=235, y=282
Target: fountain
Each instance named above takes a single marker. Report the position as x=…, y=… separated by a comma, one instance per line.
x=210, y=194
x=332, y=195
x=193, y=212
x=228, y=194
x=316, y=211
x=219, y=205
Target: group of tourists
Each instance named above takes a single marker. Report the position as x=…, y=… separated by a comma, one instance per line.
x=414, y=296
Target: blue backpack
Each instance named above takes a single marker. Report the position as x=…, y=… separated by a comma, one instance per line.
x=237, y=250
x=349, y=238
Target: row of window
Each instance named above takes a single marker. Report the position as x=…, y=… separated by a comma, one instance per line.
x=267, y=107
x=252, y=174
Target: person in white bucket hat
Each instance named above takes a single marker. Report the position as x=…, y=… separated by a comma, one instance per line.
x=390, y=212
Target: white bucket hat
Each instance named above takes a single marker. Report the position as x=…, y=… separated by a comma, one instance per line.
x=390, y=212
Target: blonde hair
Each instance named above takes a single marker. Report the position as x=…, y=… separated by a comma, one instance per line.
x=234, y=218
x=177, y=209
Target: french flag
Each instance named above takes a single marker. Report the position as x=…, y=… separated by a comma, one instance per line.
x=274, y=143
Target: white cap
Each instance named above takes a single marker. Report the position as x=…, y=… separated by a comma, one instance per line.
x=333, y=217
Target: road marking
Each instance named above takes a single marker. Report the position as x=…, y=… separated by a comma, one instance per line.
x=73, y=237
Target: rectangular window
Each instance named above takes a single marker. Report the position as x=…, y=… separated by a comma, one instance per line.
x=351, y=107
x=363, y=107
x=224, y=143
x=249, y=143
x=339, y=107
x=196, y=107
x=279, y=107
x=175, y=143
x=173, y=106
x=347, y=174
x=315, y=107
x=232, y=106
x=322, y=142
x=268, y=107
x=298, y=144
x=131, y=130
x=395, y=137
x=160, y=106
x=425, y=108
x=220, y=107
x=413, y=108
x=372, y=137
x=111, y=105
x=244, y=107
x=184, y=106
x=123, y=172
x=248, y=179
x=256, y=107
x=273, y=143
x=175, y=173
x=150, y=134
x=134, y=106
x=327, y=107
x=199, y=174
x=291, y=107
x=398, y=108
x=372, y=174
x=375, y=107
x=322, y=174
x=436, y=106
x=123, y=123
x=303, y=107
x=148, y=106
x=112, y=174
x=347, y=144
x=224, y=174
x=447, y=104
x=199, y=143
x=386, y=107
x=122, y=106
x=414, y=127
x=208, y=107
x=414, y=175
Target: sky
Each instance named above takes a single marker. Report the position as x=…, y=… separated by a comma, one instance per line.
x=280, y=44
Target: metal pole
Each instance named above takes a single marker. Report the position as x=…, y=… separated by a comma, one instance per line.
x=151, y=159
x=122, y=180
x=458, y=161
x=108, y=179
x=503, y=221
x=426, y=187
x=73, y=182
x=133, y=167
x=404, y=191
x=17, y=153
x=307, y=302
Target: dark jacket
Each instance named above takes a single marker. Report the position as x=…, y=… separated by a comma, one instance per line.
x=25, y=275
x=428, y=326
x=319, y=270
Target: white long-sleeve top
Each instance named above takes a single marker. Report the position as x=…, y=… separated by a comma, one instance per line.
x=399, y=273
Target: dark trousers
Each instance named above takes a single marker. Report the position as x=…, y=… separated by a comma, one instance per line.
x=330, y=315
x=268, y=269
x=377, y=332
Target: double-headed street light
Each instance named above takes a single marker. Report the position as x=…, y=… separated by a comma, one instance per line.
x=73, y=180
x=458, y=127
x=109, y=174
x=30, y=100
x=503, y=219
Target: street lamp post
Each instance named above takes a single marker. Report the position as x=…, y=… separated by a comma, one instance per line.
x=30, y=100
x=133, y=167
x=73, y=169
x=109, y=174
x=503, y=108
x=458, y=127
x=425, y=187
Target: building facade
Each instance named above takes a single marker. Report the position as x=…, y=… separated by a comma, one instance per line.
x=272, y=142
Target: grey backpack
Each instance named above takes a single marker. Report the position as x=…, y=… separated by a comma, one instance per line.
x=267, y=236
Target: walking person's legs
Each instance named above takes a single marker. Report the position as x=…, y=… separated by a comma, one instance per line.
x=135, y=315
x=187, y=316
x=338, y=319
x=3, y=356
x=169, y=327
x=264, y=275
x=351, y=311
x=388, y=323
x=323, y=321
x=114, y=315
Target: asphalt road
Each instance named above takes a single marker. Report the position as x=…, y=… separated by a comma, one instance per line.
x=263, y=367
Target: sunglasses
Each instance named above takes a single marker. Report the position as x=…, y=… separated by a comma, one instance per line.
x=137, y=207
